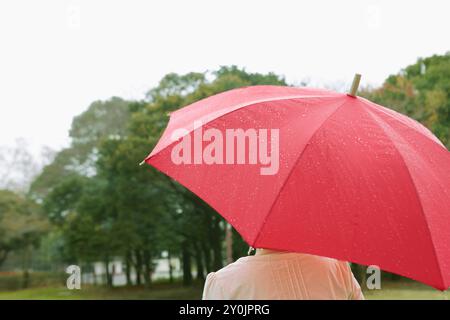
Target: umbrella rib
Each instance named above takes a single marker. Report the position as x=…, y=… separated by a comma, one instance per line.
x=292, y=170
x=380, y=108
x=237, y=108
x=377, y=121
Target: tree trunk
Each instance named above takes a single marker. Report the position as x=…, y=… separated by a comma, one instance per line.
x=128, y=268
x=94, y=275
x=169, y=260
x=206, y=253
x=217, y=246
x=3, y=255
x=199, y=262
x=108, y=274
x=186, y=259
x=205, y=246
x=138, y=267
x=147, y=268
x=25, y=266
x=229, y=242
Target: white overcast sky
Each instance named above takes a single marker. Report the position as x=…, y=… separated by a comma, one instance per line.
x=56, y=57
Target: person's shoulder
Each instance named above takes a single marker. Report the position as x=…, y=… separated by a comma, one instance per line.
x=240, y=267
x=213, y=289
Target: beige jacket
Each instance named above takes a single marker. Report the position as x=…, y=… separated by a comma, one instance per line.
x=283, y=275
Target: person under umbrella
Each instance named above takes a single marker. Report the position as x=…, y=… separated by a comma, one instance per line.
x=273, y=275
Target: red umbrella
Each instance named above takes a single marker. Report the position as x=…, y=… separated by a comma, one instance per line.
x=317, y=172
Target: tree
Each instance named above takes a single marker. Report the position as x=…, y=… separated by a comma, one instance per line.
x=102, y=120
x=21, y=226
x=136, y=201
x=17, y=167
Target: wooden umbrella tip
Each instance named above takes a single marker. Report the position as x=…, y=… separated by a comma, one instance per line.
x=355, y=85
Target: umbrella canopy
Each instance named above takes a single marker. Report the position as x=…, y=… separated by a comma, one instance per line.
x=317, y=172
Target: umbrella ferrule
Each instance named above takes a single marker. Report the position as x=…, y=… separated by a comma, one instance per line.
x=355, y=85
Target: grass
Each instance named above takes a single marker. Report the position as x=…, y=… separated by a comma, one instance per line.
x=100, y=293
x=410, y=291
x=406, y=291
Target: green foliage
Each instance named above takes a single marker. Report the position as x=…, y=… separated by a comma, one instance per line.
x=21, y=223
x=63, y=198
